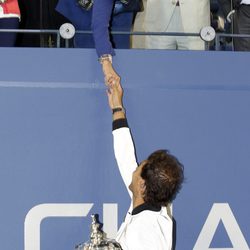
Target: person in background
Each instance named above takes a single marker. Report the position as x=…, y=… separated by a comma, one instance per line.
x=9, y=19
x=101, y=19
x=37, y=14
x=240, y=21
x=31, y=19
x=102, y=11
x=153, y=185
x=184, y=16
x=138, y=42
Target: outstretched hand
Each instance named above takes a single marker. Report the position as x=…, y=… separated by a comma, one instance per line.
x=115, y=94
x=110, y=75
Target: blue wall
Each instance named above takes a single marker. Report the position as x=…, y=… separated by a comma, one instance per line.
x=56, y=143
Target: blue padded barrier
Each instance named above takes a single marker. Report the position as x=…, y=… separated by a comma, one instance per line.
x=56, y=157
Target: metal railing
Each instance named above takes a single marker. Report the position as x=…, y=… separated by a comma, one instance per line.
x=218, y=36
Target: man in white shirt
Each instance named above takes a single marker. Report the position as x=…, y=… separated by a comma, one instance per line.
x=152, y=185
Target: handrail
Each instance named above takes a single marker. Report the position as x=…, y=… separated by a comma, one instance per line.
x=135, y=33
x=219, y=35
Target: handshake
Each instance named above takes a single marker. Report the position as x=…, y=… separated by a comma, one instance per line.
x=115, y=100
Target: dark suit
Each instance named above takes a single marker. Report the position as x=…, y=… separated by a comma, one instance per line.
x=38, y=14
x=241, y=22
x=98, y=18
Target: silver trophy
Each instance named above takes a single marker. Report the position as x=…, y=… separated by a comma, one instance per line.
x=98, y=241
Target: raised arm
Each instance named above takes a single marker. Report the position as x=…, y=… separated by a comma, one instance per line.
x=102, y=10
x=101, y=16
x=123, y=143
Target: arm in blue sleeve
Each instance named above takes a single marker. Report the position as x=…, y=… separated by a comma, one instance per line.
x=102, y=11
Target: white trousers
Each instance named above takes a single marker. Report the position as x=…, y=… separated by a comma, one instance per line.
x=166, y=42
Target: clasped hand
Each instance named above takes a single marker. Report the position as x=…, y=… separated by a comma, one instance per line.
x=110, y=76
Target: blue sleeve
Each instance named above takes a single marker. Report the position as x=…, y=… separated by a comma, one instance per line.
x=102, y=11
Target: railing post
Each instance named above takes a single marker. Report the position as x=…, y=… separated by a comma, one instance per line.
x=217, y=42
x=58, y=40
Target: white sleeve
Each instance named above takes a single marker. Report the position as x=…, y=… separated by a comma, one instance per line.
x=125, y=154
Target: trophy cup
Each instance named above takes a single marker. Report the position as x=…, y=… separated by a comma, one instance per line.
x=98, y=241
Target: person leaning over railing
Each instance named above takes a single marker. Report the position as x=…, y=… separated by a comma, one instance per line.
x=100, y=15
x=9, y=19
x=239, y=12
x=102, y=10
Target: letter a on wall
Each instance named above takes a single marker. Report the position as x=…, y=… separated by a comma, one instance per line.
x=221, y=212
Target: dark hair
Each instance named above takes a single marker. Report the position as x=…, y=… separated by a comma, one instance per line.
x=163, y=176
